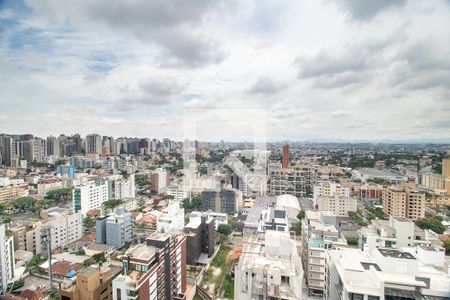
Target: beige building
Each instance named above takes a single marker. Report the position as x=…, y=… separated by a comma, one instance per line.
x=446, y=165
x=401, y=201
x=340, y=206
x=436, y=182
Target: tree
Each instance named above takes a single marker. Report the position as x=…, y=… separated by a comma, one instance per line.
x=447, y=246
x=224, y=229
x=352, y=241
x=431, y=223
x=194, y=204
x=99, y=257
x=89, y=224
x=2, y=208
x=111, y=204
x=301, y=215
x=24, y=203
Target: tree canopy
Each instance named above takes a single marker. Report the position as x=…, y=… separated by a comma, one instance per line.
x=224, y=229
x=431, y=223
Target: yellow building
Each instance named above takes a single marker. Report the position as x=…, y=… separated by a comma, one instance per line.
x=402, y=201
x=446, y=165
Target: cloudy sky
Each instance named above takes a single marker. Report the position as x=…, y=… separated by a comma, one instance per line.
x=301, y=70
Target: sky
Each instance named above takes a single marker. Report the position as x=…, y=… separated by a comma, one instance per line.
x=328, y=70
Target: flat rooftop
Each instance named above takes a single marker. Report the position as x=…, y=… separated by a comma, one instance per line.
x=396, y=253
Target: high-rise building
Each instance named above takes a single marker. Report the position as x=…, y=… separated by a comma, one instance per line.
x=339, y=205
x=319, y=233
x=90, y=195
x=155, y=269
x=329, y=189
x=396, y=233
x=285, y=162
x=172, y=218
x=123, y=186
x=383, y=274
x=53, y=146
x=115, y=229
x=446, y=165
x=269, y=268
x=402, y=201
x=93, y=143
x=293, y=181
x=159, y=179
x=222, y=201
x=200, y=237
x=6, y=259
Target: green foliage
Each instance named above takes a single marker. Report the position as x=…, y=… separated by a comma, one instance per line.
x=111, y=204
x=141, y=180
x=194, y=204
x=357, y=217
x=80, y=252
x=228, y=286
x=15, y=285
x=6, y=220
x=375, y=212
x=224, y=229
x=431, y=223
x=59, y=194
x=352, y=241
x=33, y=264
x=297, y=227
x=447, y=246
x=361, y=162
x=2, y=208
x=99, y=257
x=301, y=215
x=89, y=224
x=24, y=203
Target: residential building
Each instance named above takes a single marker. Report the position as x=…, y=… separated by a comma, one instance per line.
x=290, y=204
x=319, y=233
x=221, y=201
x=435, y=182
x=93, y=143
x=115, y=229
x=155, y=269
x=49, y=184
x=90, y=195
x=403, y=201
x=123, y=186
x=200, y=238
x=179, y=193
x=65, y=226
x=91, y=284
x=396, y=233
x=295, y=181
x=6, y=259
x=14, y=190
x=387, y=274
x=252, y=222
x=171, y=219
x=219, y=218
x=159, y=179
x=269, y=268
x=339, y=205
x=446, y=165
x=329, y=189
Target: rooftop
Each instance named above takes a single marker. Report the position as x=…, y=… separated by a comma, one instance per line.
x=395, y=253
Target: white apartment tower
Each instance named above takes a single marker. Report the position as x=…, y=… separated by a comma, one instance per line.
x=90, y=195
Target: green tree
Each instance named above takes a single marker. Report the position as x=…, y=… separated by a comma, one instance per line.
x=111, y=204
x=224, y=229
x=89, y=224
x=301, y=215
x=99, y=257
x=447, y=246
x=431, y=223
x=24, y=203
x=352, y=241
x=2, y=208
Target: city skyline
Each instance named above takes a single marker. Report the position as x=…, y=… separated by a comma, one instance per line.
x=338, y=70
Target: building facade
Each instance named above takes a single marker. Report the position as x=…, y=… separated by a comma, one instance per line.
x=115, y=229
x=90, y=195
x=402, y=201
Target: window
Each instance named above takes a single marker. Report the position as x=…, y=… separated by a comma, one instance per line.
x=373, y=298
x=356, y=296
x=119, y=294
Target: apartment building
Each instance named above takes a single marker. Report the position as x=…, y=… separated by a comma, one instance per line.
x=329, y=189
x=91, y=284
x=155, y=269
x=296, y=181
x=200, y=238
x=435, y=182
x=6, y=259
x=49, y=184
x=115, y=229
x=222, y=201
x=403, y=201
x=387, y=274
x=171, y=218
x=339, y=205
x=90, y=195
x=396, y=233
x=159, y=180
x=269, y=268
x=319, y=233
x=123, y=187
x=219, y=218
